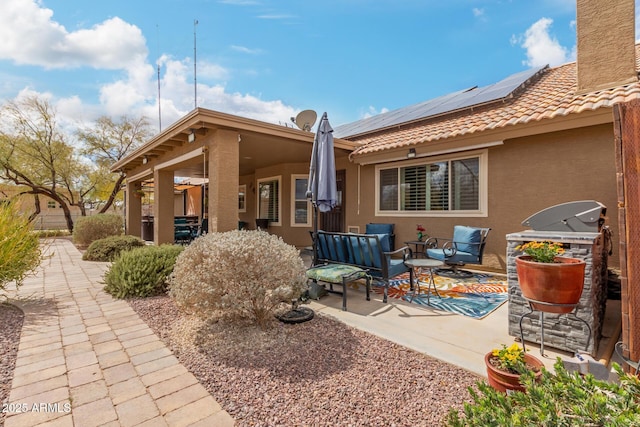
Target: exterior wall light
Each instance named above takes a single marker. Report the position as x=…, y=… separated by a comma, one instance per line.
x=412, y=153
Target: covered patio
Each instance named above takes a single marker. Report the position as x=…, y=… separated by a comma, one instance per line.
x=232, y=154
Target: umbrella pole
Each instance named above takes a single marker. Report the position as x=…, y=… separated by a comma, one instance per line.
x=315, y=232
x=315, y=210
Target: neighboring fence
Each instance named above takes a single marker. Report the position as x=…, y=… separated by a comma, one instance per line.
x=49, y=221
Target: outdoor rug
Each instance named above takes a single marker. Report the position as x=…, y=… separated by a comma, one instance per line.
x=475, y=297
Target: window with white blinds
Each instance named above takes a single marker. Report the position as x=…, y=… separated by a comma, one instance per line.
x=269, y=200
x=301, y=205
x=445, y=186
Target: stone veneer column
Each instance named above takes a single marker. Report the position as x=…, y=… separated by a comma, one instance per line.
x=563, y=331
x=224, y=170
x=133, y=205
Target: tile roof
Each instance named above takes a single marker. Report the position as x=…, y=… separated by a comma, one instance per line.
x=552, y=95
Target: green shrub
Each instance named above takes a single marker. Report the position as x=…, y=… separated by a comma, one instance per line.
x=109, y=248
x=20, y=251
x=563, y=399
x=238, y=274
x=46, y=234
x=90, y=228
x=141, y=272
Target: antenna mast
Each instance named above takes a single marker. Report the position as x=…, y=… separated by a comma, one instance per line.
x=158, y=63
x=195, y=75
x=159, y=103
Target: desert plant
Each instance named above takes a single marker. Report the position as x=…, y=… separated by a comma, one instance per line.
x=141, y=272
x=90, y=228
x=109, y=248
x=563, y=399
x=20, y=251
x=238, y=274
x=47, y=234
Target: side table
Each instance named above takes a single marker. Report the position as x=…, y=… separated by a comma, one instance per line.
x=423, y=263
x=420, y=247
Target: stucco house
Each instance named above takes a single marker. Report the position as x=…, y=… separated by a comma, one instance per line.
x=487, y=157
x=494, y=155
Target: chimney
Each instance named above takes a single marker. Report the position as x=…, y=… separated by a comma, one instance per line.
x=606, y=44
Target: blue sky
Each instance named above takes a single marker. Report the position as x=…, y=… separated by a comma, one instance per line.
x=270, y=59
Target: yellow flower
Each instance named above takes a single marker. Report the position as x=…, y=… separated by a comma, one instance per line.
x=511, y=359
x=541, y=251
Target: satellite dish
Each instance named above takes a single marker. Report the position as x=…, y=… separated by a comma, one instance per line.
x=306, y=119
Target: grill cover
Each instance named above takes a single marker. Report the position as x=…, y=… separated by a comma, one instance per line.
x=580, y=216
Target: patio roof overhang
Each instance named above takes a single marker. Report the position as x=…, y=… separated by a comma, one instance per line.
x=261, y=144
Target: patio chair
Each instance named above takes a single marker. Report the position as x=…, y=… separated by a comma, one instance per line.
x=465, y=247
x=181, y=231
x=201, y=229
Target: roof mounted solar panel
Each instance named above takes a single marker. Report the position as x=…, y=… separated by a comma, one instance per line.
x=444, y=104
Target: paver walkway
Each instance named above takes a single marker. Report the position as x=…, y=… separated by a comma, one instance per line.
x=86, y=359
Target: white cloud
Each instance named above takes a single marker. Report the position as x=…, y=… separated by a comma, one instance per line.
x=372, y=111
x=541, y=47
x=247, y=50
x=30, y=36
x=477, y=12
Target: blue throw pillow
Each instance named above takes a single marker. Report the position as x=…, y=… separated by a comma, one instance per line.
x=385, y=242
x=464, y=237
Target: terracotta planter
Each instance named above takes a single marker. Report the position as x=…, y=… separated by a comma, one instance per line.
x=559, y=282
x=507, y=382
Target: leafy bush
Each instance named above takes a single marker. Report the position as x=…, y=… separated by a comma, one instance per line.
x=141, y=272
x=238, y=274
x=563, y=399
x=90, y=228
x=20, y=252
x=109, y=248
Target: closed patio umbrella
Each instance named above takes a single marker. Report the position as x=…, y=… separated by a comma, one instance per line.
x=322, y=175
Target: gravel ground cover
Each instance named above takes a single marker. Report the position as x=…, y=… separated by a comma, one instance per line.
x=11, y=320
x=318, y=373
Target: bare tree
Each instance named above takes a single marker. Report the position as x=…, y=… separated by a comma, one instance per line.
x=108, y=141
x=34, y=153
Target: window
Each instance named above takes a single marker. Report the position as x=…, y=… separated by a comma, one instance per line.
x=51, y=204
x=438, y=187
x=242, y=198
x=300, y=205
x=269, y=200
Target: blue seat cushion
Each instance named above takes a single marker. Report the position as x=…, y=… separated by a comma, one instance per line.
x=467, y=239
x=463, y=257
x=396, y=267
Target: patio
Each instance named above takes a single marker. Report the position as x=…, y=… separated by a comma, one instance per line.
x=78, y=342
x=456, y=339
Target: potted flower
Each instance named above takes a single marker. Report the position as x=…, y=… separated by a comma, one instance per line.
x=505, y=366
x=420, y=229
x=545, y=277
